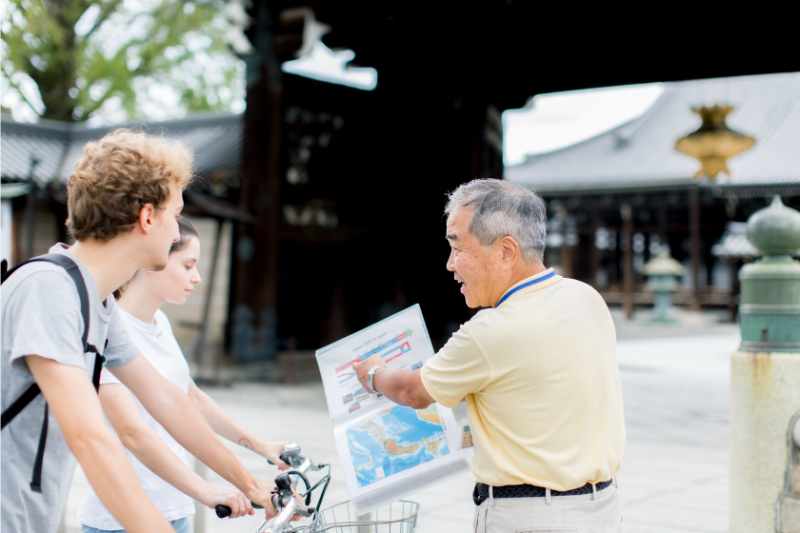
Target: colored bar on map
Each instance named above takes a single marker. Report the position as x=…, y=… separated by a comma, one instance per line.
x=377, y=349
x=403, y=348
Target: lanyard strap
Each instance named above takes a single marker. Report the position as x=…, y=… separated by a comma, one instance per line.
x=535, y=281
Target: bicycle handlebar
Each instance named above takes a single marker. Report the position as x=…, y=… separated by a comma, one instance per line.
x=223, y=511
x=284, y=498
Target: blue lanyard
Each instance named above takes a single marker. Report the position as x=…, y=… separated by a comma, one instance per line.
x=505, y=297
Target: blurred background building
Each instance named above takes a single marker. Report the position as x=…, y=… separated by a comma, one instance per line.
x=320, y=196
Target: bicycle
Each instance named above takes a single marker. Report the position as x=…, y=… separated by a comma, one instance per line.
x=399, y=516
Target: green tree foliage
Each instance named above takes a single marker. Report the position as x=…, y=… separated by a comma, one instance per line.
x=72, y=59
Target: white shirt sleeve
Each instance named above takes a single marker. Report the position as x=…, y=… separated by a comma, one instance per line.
x=120, y=349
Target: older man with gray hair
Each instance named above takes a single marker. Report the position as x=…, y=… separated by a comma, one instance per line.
x=537, y=368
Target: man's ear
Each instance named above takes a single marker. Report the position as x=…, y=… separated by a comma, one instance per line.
x=147, y=215
x=509, y=249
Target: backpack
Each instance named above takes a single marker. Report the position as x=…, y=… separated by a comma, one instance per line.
x=33, y=391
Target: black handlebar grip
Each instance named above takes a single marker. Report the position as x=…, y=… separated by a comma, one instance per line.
x=283, y=482
x=223, y=511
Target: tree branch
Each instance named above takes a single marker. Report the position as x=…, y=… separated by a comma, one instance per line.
x=87, y=113
x=106, y=11
x=14, y=85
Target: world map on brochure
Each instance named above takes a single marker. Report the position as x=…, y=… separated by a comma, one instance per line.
x=393, y=440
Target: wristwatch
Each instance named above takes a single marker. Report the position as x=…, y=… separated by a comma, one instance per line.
x=371, y=380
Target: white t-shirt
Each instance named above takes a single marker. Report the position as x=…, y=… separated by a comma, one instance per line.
x=157, y=342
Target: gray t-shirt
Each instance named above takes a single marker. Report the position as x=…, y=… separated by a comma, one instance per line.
x=41, y=315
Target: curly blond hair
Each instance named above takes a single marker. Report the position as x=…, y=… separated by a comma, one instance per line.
x=116, y=176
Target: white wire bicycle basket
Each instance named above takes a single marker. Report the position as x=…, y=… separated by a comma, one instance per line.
x=397, y=517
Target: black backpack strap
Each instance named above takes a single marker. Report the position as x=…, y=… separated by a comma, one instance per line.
x=47, y=258
x=19, y=404
x=74, y=272
x=33, y=391
x=36, y=477
x=5, y=272
x=99, y=360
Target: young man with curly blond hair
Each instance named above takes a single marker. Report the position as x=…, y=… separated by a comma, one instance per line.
x=124, y=201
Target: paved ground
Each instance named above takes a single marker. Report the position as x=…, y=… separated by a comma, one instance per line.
x=675, y=473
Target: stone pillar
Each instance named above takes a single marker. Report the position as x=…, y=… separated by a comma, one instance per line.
x=765, y=372
x=787, y=510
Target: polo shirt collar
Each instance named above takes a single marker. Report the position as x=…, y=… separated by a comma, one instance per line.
x=536, y=279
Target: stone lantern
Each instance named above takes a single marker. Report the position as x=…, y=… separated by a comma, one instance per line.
x=661, y=272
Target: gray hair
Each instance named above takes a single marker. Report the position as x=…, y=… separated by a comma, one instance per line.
x=503, y=208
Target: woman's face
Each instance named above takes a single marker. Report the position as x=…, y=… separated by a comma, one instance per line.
x=176, y=282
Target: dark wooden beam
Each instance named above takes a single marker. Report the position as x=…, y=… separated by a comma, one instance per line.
x=694, y=232
x=253, y=313
x=627, y=271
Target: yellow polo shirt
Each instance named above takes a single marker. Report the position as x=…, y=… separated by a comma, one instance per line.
x=539, y=375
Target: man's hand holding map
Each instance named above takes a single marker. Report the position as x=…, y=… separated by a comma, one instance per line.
x=387, y=449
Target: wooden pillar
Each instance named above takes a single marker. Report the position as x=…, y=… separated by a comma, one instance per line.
x=618, y=258
x=253, y=313
x=662, y=227
x=17, y=234
x=594, y=252
x=31, y=203
x=206, y=370
x=734, y=264
x=627, y=259
x=694, y=230
x=567, y=269
x=567, y=252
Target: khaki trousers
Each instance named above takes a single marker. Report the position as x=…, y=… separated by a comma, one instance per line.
x=585, y=513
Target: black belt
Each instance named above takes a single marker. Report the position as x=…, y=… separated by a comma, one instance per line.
x=481, y=491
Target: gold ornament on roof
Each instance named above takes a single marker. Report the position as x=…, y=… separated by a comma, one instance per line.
x=713, y=143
